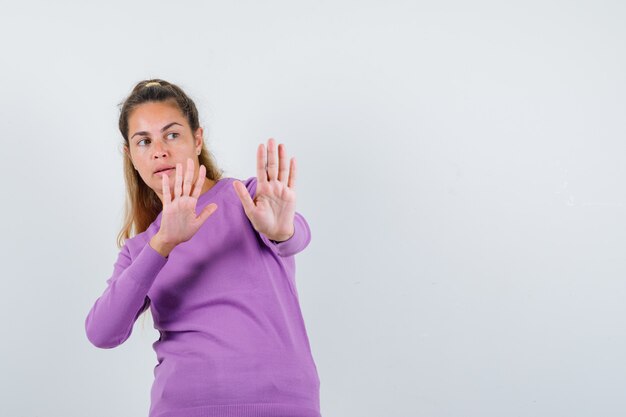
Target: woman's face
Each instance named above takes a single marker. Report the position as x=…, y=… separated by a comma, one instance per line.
x=159, y=137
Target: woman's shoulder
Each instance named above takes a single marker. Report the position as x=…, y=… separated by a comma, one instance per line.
x=245, y=180
x=250, y=184
x=225, y=189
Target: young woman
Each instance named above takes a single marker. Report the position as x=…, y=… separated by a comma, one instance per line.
x=213, y=259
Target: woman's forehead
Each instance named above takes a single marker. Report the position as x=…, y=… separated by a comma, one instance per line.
x=155, y=115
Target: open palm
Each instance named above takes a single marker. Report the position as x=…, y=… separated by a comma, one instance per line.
x=273, y=208
x=178, y=220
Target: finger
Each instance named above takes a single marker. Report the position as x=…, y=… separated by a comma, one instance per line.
x=261, y=173
x=165, y=185
x=201, y=177
x=292, y=173
x=283, y=169
x=206, y=212
x=272, y=160
x=179, y=180
x=244, y=196
x=188, y=177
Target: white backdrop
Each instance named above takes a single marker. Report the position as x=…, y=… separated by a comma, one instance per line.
x=461, y=165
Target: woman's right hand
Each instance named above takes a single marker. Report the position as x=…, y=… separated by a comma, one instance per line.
x=178, y=219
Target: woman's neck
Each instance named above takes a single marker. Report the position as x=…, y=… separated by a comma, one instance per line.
x=208, y=184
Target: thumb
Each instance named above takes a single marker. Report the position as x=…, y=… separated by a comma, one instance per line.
x=206, y=212
x=244, y=197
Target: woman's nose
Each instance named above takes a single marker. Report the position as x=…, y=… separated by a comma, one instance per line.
x=159, y=149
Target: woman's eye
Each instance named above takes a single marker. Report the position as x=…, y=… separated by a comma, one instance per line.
x=175, y=135
x=139, y=143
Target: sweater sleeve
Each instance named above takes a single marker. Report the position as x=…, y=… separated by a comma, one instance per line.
x=297, y=242
x=110, y=320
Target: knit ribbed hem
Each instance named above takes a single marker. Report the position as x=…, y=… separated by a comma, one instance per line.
x=242, y=410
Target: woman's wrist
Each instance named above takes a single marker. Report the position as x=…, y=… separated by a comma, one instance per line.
x=284, y=238
x=162, y=247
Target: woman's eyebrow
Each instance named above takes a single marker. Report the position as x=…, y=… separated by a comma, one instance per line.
x=143, y=132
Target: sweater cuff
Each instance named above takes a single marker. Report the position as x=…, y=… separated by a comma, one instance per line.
x=146, y=266
x=296, y=243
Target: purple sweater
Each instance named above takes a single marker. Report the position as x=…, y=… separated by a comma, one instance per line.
x=233, y=341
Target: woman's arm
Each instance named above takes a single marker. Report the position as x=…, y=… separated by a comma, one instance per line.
x=110, y=321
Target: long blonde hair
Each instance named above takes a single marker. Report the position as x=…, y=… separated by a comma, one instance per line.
x=142, y=205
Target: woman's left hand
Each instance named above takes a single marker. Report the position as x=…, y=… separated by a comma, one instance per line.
x=274, y=206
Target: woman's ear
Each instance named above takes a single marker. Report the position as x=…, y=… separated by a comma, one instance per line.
x=199, y=138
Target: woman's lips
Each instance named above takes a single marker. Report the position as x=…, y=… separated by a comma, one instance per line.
x=166, y=170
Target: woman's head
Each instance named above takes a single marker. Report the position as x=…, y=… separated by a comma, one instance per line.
x=160, y=127
x=156, y=90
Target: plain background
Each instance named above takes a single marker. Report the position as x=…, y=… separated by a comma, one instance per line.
x=461, y=165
